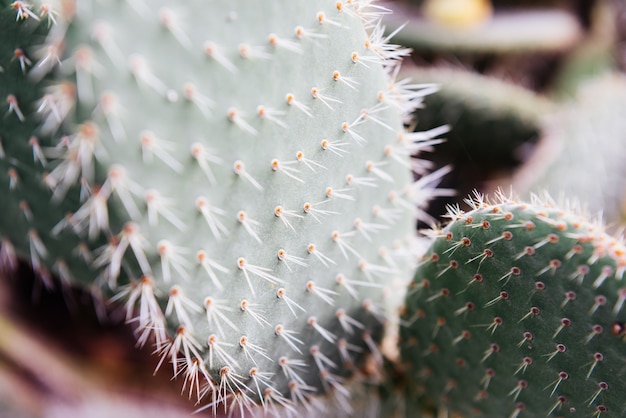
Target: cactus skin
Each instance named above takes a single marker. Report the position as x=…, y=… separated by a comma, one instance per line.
x=505, y=269
x=188, y=200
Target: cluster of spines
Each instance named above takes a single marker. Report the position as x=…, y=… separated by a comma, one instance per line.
x=489, y=331
x=130, y=253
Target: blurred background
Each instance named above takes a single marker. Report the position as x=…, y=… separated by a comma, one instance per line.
x=535, y=95
x=534, y=92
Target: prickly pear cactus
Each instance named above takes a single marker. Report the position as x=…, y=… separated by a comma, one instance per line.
x=236, y=175
x=517, y=310
x=599, y=137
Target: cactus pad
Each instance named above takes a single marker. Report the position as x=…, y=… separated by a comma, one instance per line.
x=517, y=310
x=237, y=177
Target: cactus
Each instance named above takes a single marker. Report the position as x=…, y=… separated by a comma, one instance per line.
x=476, y=31
x=237, y=177
x=588, y=133
x=239, y=181
x=517, y=310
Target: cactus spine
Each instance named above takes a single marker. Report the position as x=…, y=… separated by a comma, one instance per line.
x=517, y=310
x=238, y=176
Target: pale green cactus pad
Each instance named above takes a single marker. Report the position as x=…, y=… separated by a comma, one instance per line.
x=236, y=173
x=517, y=310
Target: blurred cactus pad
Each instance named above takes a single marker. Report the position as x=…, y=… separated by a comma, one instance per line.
x=517, y=309
x=588, y=133
x=238, y=177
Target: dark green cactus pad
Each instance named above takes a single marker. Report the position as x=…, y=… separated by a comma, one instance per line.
x=516, y=310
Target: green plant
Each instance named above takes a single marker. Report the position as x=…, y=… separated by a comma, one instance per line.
x=223, y=172
x=239, y=180
x=517, y=310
